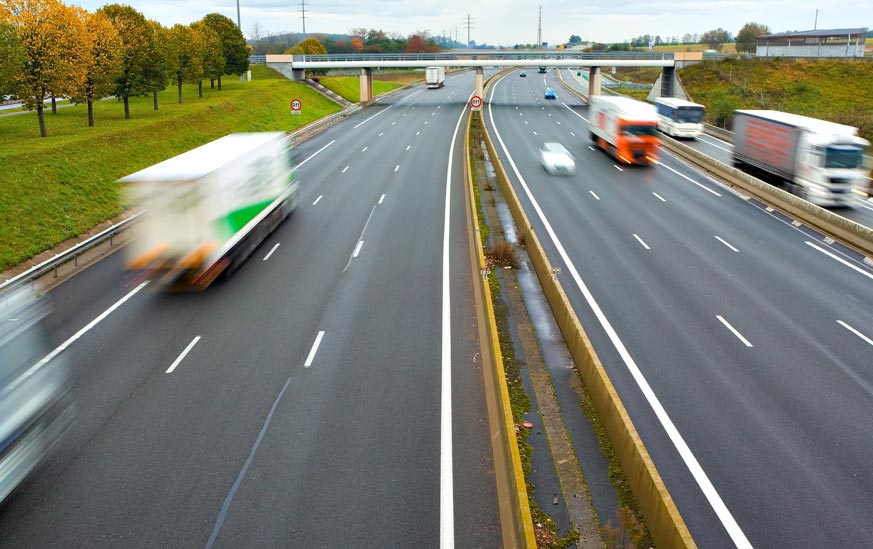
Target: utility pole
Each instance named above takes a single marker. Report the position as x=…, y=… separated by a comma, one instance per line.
x=815, y=26
x=303, y=15
x=540, y=29
x=238, y=25
x=469, y=25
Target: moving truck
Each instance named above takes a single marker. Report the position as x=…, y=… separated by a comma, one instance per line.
x=207, y=209
x=435, y=77
x=818, y=160
x=624, y=127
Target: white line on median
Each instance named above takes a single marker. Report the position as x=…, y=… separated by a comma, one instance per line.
x=181, y=357
x=856, y=332
x=315, y=153
x=734, y=330
x=640, y=240
x=317, y=200
x=314, y=350
x=841, y=260
x=659, y=197
x=720, y=239
x=266, y=257
x=358, y=248
x=594, y=195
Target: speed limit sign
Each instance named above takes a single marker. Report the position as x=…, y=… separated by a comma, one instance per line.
x=296, y=105
x=475, y=103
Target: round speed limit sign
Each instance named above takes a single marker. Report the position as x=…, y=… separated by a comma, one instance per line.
x=475, y=102
x=296, y=105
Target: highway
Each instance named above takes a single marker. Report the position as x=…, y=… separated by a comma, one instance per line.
x=328, y=394
x=739, y=343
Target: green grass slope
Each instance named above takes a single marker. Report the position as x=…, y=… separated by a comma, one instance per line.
x=831, y=90
x=58, y=187
x=349, y=87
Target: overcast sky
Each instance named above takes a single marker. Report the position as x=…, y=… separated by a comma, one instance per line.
x=508, y=22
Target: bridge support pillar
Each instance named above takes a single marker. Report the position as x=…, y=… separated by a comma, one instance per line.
x=668, y=74
x=298, y=74
x=366, y=86
x=594, y=81
x=480, y=81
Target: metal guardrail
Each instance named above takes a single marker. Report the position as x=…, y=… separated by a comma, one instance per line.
x=257, y=60
x=67, y=256
x=485, y=55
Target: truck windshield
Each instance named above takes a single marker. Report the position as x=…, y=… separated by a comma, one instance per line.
x=843, y=157
x=689, y=115
x=638, y=129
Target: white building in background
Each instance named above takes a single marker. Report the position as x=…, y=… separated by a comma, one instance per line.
x=815, y=43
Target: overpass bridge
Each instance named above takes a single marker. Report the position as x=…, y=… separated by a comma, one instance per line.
x=295, y=66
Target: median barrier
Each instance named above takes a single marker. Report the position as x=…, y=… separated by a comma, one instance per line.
x=846, y=231
x=665, y=524
x=715, y=131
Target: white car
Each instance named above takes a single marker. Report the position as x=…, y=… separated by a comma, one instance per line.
x=557, y=160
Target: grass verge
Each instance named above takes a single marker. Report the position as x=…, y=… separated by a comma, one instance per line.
x=349, y=87
x=64, y=184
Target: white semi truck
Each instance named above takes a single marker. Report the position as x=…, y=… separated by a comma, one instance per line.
x=435, y=77
x=820, y=161
x=206, y=210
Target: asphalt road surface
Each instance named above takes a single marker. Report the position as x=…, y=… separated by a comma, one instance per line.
x=740, y=343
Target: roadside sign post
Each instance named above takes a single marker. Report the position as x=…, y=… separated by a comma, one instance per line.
x=475, y=103
x=296, y=105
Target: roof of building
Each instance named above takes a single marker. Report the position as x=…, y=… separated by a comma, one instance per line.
x=819, y=33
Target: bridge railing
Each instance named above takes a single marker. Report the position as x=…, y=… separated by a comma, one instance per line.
x=485, y=55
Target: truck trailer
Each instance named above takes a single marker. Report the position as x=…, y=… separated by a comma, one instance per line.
x=206, y=210
x=435, y=77
x=820, y=161
x=624, y=127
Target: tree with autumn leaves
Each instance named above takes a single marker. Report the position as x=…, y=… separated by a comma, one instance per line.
x=49, y=49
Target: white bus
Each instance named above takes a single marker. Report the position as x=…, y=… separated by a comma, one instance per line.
x=678, y=117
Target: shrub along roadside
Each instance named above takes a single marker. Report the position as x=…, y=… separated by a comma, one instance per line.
x=64, y=184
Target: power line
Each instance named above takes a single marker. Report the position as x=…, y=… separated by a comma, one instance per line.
x=469, y=25
x=540, y=28
x=303, y=15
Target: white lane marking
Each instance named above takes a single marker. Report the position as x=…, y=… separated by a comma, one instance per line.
x=864, y=204
x=594, y=195
x=701, y=185
x=372, y=117
x=709, y=491
x=315, y=153
x=535, y=133
x=314, y=350
x=266, y=257
x=404, y=114
x=361, y=238
x=408, y=147
x=393, y=123
x=574, y=112
x=364, y=149
x=734, y=330
x=840, y=259
x=417, y=133
x=550, y=114
x=720, y=239
x=590, y=147
x=573, y=134
x=381, y=198
x=617, y=167
x=856, y=332
x=659, y=197
x=712, y=143
x=381, y=134
x=397, y=167
x=317, y=200
x=640, y=240
x=345, y=169
x=425, y=122
x=63, y=346
x=410, y=95
x=558, y=122
x=525, y=122
x=358, y=248
x=181, y=357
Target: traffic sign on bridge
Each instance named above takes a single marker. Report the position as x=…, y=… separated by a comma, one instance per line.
x=475, y=103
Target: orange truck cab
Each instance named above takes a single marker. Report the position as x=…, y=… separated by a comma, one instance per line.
x=624, y=127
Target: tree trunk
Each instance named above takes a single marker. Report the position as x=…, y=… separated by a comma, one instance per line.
x=155, y=99
x=212, y=83
x=219, y=83
x=126, y=107
x=179, y=85
x=54, y=106
x=41, y=116
x=90, y=113
x=200, y=87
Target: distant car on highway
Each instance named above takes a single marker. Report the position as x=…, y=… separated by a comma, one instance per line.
x=523, y=75
x=550, y=94
x=557, y=160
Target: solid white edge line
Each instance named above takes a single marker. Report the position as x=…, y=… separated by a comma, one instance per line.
x=314, y=350
x=723, y=241
x=856, y=332
x=594, y=195
x=315, y=153
x=640, y=240
x=266, y=257
x=63, y=346
x=711, y=144
x=317, y=200
x=358, y=248
x=727, y=519
x=372, y=117
x=659, y=197
x=840, y=259
x=733, y=330
x=447, y=490
x=182, y=356
x=701, y=185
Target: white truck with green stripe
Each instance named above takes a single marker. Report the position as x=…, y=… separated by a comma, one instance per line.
x=206, y=210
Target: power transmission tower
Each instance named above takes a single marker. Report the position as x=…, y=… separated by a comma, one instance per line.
x=303, y=15
x=469, y=25
x=540, y=29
